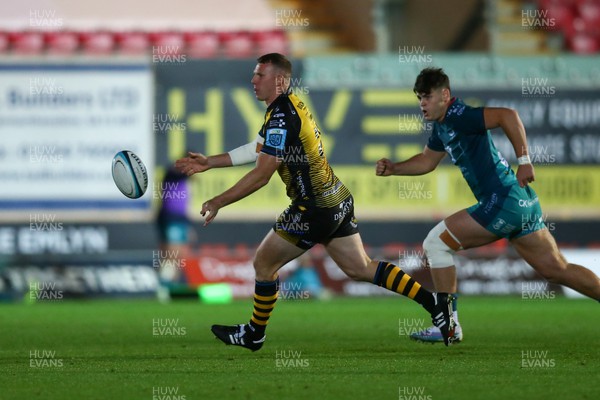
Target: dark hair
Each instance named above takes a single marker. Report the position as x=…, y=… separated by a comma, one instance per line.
x=430, y=79
x=277, y=60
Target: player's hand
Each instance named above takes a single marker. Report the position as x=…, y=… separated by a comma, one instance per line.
x=211, y=207
x=192, y=164
x=384, y=167
x=525, y=174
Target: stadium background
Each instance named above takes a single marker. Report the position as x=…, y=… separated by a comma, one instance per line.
x=80, y=81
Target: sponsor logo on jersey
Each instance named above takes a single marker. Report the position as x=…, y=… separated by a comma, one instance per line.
x=276, y=122
x=333, y=190
x=456, y=109
x=276, y=138
x=502, y=160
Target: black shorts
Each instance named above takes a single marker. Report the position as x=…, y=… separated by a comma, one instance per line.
x=305, y=227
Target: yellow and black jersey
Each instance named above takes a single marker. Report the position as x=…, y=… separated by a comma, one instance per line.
x=291, y=134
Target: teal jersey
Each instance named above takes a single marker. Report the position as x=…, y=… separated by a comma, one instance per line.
x=463, y=136
x=503, y=206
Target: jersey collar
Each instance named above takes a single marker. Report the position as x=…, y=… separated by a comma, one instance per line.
x=452, y=100
x=278, y=99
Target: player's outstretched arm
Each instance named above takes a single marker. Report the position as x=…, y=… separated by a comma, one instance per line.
x=197, y=162
x=419, y=164
x=245, y=154
x=509, y=121
x=266, y=165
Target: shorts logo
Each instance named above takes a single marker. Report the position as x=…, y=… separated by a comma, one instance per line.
x=276, y=138
x=503, y=226
x=528, y=203
x=491, y=202
x=499, y=223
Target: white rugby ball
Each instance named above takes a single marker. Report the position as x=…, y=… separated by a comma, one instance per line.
x=129, y=174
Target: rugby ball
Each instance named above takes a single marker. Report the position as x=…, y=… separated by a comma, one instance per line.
x=129, y=174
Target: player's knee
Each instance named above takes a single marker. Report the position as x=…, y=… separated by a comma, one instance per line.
x=440, y=246
x=263, y=270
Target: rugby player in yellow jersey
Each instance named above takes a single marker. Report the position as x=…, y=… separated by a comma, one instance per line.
x=321, y=209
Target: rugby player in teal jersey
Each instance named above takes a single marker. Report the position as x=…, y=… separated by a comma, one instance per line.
x=507, y=207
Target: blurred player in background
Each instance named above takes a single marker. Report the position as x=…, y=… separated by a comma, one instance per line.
x=507, y=206
x=174, y=227
x=322, y=208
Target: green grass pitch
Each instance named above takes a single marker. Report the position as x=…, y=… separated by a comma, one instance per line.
x=338, y=349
